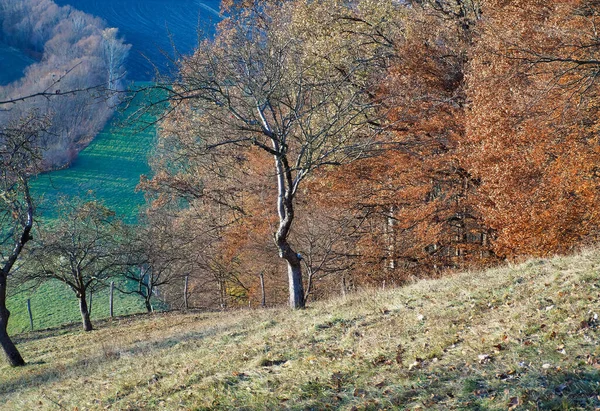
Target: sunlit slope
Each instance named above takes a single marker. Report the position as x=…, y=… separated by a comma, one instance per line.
x=520, y=337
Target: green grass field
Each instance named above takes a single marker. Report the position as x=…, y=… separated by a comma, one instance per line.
x=53, y=304
x=524, y=337
x=110, y=169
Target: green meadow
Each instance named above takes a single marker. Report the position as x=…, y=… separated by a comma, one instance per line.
x=109, y=169
x=54, y=304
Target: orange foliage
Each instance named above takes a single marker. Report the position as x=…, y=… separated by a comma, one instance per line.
x=491, y=151
x=532, y=131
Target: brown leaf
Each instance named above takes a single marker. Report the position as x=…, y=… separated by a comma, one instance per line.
x=513, y=403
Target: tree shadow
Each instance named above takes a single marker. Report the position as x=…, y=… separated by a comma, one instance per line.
x=89, y=365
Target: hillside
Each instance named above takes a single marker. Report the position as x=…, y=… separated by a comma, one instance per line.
x=109, y=168
x=517, y=337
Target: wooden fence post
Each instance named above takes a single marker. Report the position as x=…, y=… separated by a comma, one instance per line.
x=263, y=300
x=185, y=292
x=30, y=313
x=90, y=304
x=111, y=299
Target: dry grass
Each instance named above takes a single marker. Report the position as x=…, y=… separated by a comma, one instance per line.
x=519, y=337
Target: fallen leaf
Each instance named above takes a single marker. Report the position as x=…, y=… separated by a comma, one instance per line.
x=513, y=403
x=399, y=353
x=484, y=358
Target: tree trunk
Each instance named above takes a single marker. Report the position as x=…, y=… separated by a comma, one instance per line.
x=85, y=315
x=309, y=283
x=286, y=188
x=12, y=354
x=10, y=350
x=295, y=283
x=390, y=234
x=148, y=305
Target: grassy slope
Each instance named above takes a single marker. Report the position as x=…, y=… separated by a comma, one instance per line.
x=518, y=337
x=110, y=168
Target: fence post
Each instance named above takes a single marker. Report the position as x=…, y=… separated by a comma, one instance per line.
x=111, y=299
x=263, y=294
x=185, y=292
x=90, y=304
x=30, y=313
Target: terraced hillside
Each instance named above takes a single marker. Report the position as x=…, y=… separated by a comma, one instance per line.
x=109, y=168
x=153, y=27
x=523, y=337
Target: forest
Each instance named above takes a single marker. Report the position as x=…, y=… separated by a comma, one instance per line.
x=373, y=143
x=313, y=148
x=77, y=58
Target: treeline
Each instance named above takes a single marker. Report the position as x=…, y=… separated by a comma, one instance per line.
x=371, y=143
x=361, y=143
x=78, y=58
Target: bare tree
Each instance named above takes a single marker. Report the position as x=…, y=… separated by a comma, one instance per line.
x=19, y=157
x=81, y=249
x=115, y=54
x=156, y=258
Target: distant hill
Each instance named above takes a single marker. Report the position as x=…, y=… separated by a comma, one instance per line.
x=518, y=337
x=153, y=27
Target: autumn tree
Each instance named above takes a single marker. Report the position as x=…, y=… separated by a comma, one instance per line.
x=81, y=249
x=19, y=160
x=261, y=84
x=413, y=198
x=532, y=138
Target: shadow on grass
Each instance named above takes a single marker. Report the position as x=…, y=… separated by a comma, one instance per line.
x=86, y=366
x=98, y=325
x=529, y=389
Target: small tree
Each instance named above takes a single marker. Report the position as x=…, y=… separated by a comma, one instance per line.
x=19, y=157
x=155, y=258
x=82, y=249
